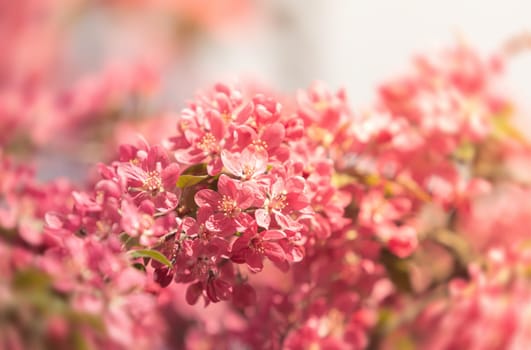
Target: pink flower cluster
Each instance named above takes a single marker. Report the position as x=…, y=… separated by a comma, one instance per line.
x=298, y=221
x=242, y=189
x=490, y=311
x=60, y=288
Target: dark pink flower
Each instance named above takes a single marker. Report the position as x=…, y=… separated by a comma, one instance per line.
x=228, y=205
x=201, y=138
x=252, y=247
x=149, y=174
x=243, y=295
x=218, y=289
x=401, y=240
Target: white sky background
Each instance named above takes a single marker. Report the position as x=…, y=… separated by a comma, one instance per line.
x=350, y=43
x=373, y=39
x=356, y=44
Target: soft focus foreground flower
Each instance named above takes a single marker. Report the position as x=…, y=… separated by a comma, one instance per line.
x=35, y=102
x=62, y=288
x=488, y=312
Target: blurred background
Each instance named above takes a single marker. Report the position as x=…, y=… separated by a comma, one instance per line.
x=289, y=43
x=82, y=58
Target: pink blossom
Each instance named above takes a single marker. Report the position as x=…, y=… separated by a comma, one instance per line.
x=252, y=247
x=403, y=241
x=148, y=173
x=247, y=165
x=228, y=205
x=283, y=197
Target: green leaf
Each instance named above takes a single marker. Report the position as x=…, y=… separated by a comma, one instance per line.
x=190, y=180
x=139, y=266
x=386, y=319
x=8, y=233
x=129, y=241
x=456, y=244
x=404, y=342
x=32, y=279
x=398, y=270
x=95, y=322
x=465, y=152
x=151, y=254
x=196, y=169
x=78, y=341
x=340, y=180
x=502, y=128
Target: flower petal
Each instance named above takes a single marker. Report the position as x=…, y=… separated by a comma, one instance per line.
x=207, y=198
